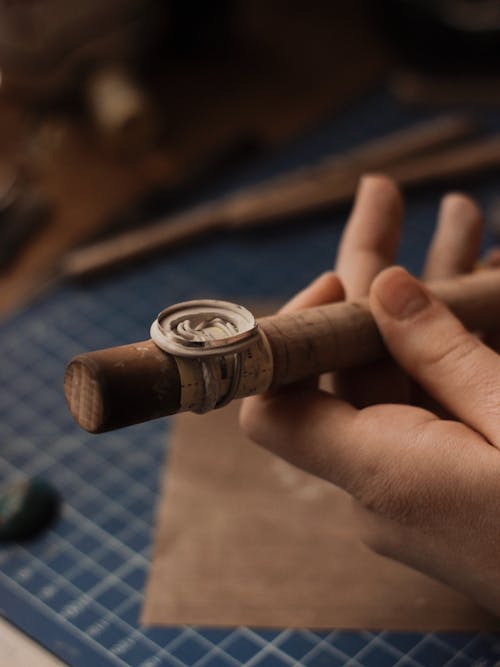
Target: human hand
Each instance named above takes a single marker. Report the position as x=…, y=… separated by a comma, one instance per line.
x=425, y=490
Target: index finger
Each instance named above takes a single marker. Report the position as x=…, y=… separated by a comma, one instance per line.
x=371, y=236
x=326, y=288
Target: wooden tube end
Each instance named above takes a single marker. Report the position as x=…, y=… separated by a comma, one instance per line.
x=83, y=394
x=121, y=386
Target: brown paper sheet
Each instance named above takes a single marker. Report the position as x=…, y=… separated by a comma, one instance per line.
x=243, y=538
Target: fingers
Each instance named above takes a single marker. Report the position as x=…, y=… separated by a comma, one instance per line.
x=492, y=261
x=371, y=237
x=433, y=347
x=326, y=288
x=394, y=459
x=298, y=427
x=455, y=245
x=368, y=245
x=254, y=414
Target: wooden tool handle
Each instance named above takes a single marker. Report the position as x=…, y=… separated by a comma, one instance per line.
x=330, y=182
x=126, y=385
x=117, y=251
x=334, y=188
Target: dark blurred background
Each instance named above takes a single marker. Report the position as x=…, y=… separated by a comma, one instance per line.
x=115, y=113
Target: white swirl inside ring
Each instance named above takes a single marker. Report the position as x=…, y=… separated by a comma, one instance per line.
x=215, y=328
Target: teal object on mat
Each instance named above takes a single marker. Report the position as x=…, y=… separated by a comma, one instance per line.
x=27, y=509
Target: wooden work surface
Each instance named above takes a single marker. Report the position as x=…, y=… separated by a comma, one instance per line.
x=272, y=93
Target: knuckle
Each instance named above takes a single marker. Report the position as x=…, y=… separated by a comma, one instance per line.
x=391, y=496
x=373, y=531
x=391, y=486
x=452, y=353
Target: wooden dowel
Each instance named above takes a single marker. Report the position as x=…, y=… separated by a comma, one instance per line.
x=331, y=182
x=456, y=162
x=125, y=385
x=382, y=151
x=120, y=386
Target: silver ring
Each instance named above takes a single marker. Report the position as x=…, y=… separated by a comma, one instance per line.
x=206, y=327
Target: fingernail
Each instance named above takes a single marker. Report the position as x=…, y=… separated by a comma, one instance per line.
x=400, y=295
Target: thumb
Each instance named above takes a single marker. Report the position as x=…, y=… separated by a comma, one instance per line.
x=433, y=347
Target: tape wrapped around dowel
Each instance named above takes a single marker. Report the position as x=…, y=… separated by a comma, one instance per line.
x=218, y=349
x=210, y=383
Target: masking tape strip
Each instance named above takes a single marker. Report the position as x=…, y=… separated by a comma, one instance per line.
x=206, y=381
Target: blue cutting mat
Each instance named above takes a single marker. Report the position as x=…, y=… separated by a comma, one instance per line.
x=78, y=590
